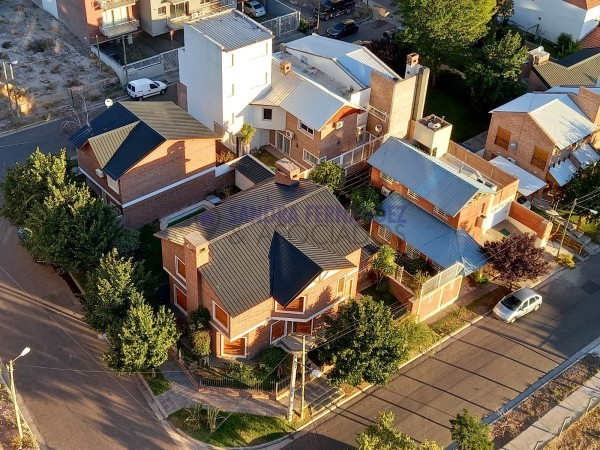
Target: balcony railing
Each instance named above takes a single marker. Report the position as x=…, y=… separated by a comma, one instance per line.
x=112, y=4
x=207, y=9
x=116, y=29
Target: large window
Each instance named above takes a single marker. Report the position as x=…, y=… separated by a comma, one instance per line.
x=310, y=158
x=303, y=327
x=220, y=315
x=502, y=138
x=297, y=305
x=179, y=268
x=306, y=129
x=234, y=348
x=277, y=330
x=539, y=158
x=180, y=298
x=282, y=143
x=384, y=233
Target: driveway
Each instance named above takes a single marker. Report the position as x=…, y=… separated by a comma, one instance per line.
x=480, y=370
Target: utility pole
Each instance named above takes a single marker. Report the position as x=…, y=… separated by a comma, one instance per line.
x=303, y=366
x=14, y=89
x=125, y=60
x=565, y=230
x=7, y=88
x=292, y=389
x=13, y=394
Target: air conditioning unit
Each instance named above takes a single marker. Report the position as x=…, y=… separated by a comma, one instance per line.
x=339, y=124
x=513, y=145
x=99, y=173
x=385, y=191
x=289, y=134
x=512, y=160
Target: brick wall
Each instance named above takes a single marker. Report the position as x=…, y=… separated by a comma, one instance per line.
x=88, y=162
x=589, y=102
x=437, y=300
x=394, y=97
x=540, y=226
x=535, y=83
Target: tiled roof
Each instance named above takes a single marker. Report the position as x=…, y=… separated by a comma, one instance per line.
x=579, y=69
x=584, y=4
x=592, y=40
x=240, y=232
x=231, y=30
x=430, y=178
x=528, y=183
x=432, y=237
x=252, y=169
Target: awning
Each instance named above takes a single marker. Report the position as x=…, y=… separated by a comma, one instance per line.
x=528, y=183
x=586, y=155
x=563, y=172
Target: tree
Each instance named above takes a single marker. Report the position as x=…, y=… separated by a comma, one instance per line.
x=25, y=186
x=363, y=343
x=585, y=182
x=330, y=174
x=365, y=203
x=142, y=340
x=383, y=436
x=567, y=45
x=504, y=9
x=110, y=289
x=383, y=263
x=470, y=433
x=71, y=229
x=442, y=29
x=516, y=258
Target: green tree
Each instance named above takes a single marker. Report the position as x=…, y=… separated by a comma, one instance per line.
x=383, y=436
x=110, y=289
x=470, y=433
x=440, y=30
x=142, y=340
x=365, y=203
x=516, y=258
x=567, y=45
x=383, y=263
x=201, y=342
x=585, y=182
x=25, y=186
x=363, y=343
x=330, y=174
x=504, y=9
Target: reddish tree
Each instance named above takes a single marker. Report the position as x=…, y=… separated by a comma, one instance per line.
x=516, y=258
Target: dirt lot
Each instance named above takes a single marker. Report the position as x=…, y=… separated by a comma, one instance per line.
x=50, y=61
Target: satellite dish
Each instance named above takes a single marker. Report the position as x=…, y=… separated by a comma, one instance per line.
x=108, y=102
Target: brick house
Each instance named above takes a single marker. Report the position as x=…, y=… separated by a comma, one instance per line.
x=267, y=262
x=148, y=159
x=549, y=134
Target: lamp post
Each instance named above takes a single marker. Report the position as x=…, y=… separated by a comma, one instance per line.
x=12, y=78
x=13, y=391
x=593, y=211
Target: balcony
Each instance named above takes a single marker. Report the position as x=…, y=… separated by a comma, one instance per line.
x=207, y=9
x=112, y=4
x=116, y=29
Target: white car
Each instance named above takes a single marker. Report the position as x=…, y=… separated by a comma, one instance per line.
x=254, y=8
x=517, y=304
x=145, y=87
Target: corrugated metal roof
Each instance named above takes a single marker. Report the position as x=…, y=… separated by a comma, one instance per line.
x=231, y=30
x=528, y=183
x=563, y=172
x=557, y=115
x=106, y=145
x=430, y=178
x=586, y=155
x=252, y=169
x=241, y=230
x=430, y=236
x=579, y=69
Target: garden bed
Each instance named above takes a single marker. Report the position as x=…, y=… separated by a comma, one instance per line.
x=9, y=435
x=157, y=383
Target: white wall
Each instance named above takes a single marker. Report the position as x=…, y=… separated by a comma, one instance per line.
x=361, y=98
x=590, y=22
x=51, y=6
x=555, y=17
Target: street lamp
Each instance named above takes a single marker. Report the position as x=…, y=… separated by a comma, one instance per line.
x=12, y=77
x=13, y=391
x=593, y=211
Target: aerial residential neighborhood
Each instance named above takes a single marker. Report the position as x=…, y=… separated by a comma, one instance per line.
x=300, y=224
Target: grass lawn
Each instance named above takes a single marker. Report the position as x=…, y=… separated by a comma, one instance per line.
x=386, y=296
x=150, y=248
x=265, y=157
x=239, y=430
x=458, y=111
x=158, y=384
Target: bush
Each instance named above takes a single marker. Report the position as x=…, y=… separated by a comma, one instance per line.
x=7, y=44
x=270, y=358
x=566, y=260
x=201, y=343
x=198, y=319
x=480, y=278
x=451, y=83
x=39, y=45
x=241, y=372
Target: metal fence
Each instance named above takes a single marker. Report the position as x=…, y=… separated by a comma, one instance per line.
x=225, y=382
x=283, y=24
x=422, y=288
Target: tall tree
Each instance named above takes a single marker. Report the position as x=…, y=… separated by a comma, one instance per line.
x=328, y=174
x=470, y=432
x=142, y=340
x=442, y=29
x=363, y=343
x=504, y=9
x=585, y=182
x=365, y=203
x=383, y=263
x=25, y=186
x=383, y=436
x=516, y=258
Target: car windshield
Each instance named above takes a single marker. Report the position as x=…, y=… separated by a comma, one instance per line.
x=511, y=302
x=338, y=26
x=326, y=3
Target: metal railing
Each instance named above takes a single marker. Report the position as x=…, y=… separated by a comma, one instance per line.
x=422, y=288
x=359, y=153
x=283, y=24
x=115, y=29
x=112, y=4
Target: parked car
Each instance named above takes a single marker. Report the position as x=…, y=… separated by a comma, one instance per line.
x=343, y=28
x=333, y=8
x=389, y=34
x=254, y=9
x=517, y=304
x=145, y=87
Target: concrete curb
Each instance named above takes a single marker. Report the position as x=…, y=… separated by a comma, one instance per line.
x=149, y=396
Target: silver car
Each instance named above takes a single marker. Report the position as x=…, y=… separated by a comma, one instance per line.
x=517, y=304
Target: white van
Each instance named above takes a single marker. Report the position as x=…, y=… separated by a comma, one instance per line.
x=145, y=87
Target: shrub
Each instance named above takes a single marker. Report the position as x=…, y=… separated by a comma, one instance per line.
x=39, y=45
x=72, y=82
x=7, y=44
x=225, y=156
x=198, y=319
x=452, y=83
x=201, y=343
x=566, y=260
x=241, y=372
x=212, y=417
x=480, y=278
x=270, y=358
x=55, y=69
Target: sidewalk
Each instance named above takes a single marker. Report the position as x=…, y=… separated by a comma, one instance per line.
x=572, y=408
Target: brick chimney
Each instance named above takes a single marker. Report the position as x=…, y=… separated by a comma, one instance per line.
x=196, y=254
x=589, y=102
x=286, y=173
x=412, y=65
x=285, y=66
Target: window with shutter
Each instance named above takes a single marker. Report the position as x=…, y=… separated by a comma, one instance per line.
x=539, y=158
x=502, y=138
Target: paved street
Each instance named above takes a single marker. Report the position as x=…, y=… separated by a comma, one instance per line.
x=485, y=367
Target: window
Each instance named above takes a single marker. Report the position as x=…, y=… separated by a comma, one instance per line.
x=277, y=330
x=113, y=184
x=180, y=268
x=377, y=113
x=162, y=10
x=303, y=327
x=412, y=195
x=297, y=305
x=180, y=298
x=349, y=286
x=411, y=252
x=384, y=233
x=220, y=315
x=340, y=286
x=441, y=213
x=232, y=90
x=502, y=138
x=304, y=59
x=385, y=177
x=310, y=158
x=267, y=114
x=282, y=143
x=539, y=158
x=232, y=59
x=234, y=348
x=306, y=129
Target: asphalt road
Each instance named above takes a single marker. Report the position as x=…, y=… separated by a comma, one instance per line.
x=481, y=369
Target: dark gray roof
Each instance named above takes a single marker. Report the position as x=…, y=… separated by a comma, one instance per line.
x=252, y=169
x=241, y=232
x=126, y=132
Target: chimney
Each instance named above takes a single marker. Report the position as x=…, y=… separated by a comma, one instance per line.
x=539, y=56
x=589, y=102
x=196, y=248
x=412, y=65
x=285, y=66
x=287, y=173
